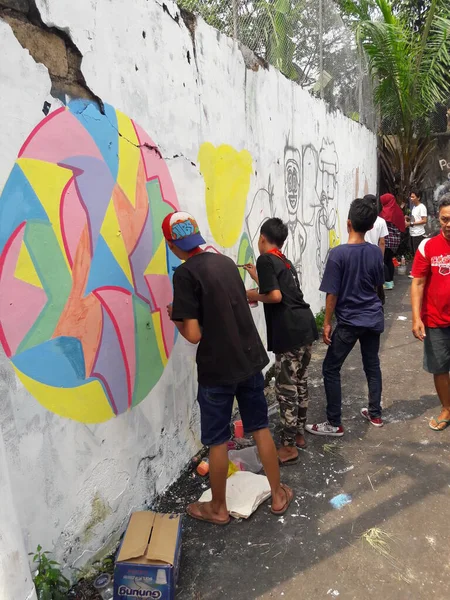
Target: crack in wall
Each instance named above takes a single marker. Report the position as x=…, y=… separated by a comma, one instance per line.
x=51, y=46
x=175, y=18
x=190, y=20
x=151, y=147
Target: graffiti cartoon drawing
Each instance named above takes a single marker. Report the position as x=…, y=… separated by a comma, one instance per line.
x=261, y=209
x=296, y=241
x=326, y=218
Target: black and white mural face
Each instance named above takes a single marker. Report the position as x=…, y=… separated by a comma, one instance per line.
x=292, y=181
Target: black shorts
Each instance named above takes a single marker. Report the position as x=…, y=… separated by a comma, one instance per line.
x=436, y=355
x=216, y=407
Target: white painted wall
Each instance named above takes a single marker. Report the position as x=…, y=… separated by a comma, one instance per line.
x=74, y=485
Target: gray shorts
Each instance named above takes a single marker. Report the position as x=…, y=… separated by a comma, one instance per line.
x=436, y=355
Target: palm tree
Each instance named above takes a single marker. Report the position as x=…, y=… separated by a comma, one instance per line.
x=410, y=68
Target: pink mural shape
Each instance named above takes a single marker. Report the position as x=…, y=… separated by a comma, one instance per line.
x=61, y=137
x=161, y=291
x=20, y=302
x=73, y=219
x=155, y=166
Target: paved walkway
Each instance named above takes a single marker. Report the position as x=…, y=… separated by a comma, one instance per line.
x=398, y=478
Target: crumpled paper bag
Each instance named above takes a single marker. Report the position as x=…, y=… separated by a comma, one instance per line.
x=245, y=492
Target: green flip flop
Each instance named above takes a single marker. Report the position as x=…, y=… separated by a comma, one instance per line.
x=438, y=422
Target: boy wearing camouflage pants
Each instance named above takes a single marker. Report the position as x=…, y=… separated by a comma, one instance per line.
x=291, y=330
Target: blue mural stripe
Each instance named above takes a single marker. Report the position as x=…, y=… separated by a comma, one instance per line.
x=105, y=270
x=99, y=127
x=18, y=203
x=173, y=262
x=58, y=362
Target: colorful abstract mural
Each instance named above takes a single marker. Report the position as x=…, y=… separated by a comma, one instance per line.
x=84, y=271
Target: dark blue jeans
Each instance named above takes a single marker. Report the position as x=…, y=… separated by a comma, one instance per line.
x=216, y=407
x=343, y=340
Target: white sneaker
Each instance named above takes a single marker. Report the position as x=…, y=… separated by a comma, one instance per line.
x=325, y=429
x=411, y=276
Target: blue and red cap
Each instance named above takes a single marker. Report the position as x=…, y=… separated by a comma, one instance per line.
x=182, y=230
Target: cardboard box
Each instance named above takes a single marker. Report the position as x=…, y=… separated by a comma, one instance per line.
x=149, y=557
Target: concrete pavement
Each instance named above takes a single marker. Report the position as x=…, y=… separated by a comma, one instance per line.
x=391, y=541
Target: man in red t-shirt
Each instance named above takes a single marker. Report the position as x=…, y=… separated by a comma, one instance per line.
x=430, y=299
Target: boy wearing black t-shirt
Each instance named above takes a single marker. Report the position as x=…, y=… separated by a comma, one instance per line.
x=291, y=330
x=210, y=309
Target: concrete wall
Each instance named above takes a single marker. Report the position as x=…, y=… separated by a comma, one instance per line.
x=111, y=115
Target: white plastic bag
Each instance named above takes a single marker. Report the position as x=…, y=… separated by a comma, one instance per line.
x=246, y=459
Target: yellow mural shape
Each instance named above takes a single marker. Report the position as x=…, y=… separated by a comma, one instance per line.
x=47, y=180
x=156, y=318
x=158, y=264
x=25, y=270
x=86, y=403
x=110, y=230
x=335, y=236
x=227, y=174
x=130, y=155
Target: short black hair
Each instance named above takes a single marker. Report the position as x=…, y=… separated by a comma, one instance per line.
x=444, y=201
x=275, y=231
x=371, y=198
x=416, y=192
x=374, y=201
x=362, y=215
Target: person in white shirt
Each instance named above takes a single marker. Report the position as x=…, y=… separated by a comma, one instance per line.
x=379, y=231
x=416, y=222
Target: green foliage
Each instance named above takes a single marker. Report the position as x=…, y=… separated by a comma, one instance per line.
x=279, y=31
x=413, y=11
x=356, y=10
x=410, y=67
x=320, y=319
x=48, y=579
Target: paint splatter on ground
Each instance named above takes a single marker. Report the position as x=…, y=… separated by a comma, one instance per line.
x=340, y=501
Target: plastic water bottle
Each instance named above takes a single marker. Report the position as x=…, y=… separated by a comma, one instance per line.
x=403, y=261
x=105, y=586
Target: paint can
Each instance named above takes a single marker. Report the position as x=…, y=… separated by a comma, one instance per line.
x=203, y=468
x=238, y=429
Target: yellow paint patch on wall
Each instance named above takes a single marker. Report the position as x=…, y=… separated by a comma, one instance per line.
x=129, y=157
x=335, y=236
x=113, y=237
x=158, y=264
x=86, y=403
x=156, y=317
x=227, y=174
x=25, y=270
x=48, y=180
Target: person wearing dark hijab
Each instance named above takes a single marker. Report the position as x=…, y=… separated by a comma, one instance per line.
x=395, y=221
